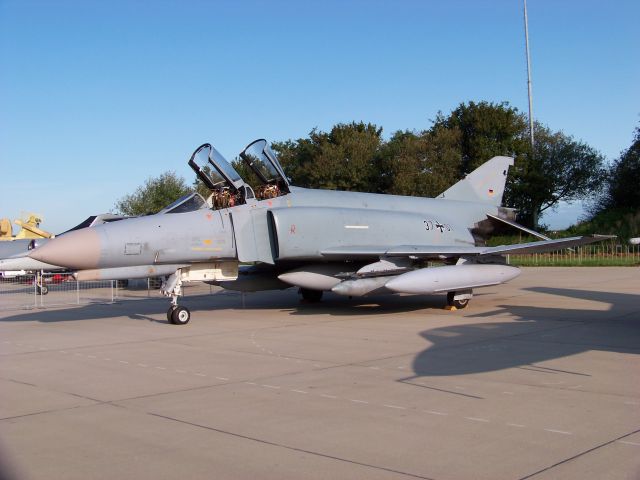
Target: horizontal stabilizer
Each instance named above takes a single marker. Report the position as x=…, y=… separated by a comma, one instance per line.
x=545, y=245
x=517, y=226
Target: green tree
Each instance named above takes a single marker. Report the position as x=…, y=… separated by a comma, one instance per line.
x=154, y=195
x=343, y=159
x=424, y=164
x=486, y=130
x=560, y=169
x=623, y=189
x=617, y=211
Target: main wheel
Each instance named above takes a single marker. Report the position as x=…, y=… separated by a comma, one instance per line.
x=170, y=313
x=180, y=316
x=452, y=302
x=311, y=295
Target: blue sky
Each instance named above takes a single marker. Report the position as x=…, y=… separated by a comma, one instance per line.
x=97, y=96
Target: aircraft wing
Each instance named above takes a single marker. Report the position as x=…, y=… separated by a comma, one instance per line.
x=448, y=251
x=402, y=251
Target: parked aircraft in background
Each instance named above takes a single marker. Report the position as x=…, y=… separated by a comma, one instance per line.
x=350, y=243
x=29, y=228
x=14, y=253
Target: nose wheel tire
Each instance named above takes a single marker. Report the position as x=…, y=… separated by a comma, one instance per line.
x=179, y=315
x=452, y=302
x=42, y=289
x=170, y=312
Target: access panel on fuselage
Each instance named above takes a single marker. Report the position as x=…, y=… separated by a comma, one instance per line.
x=254, y=241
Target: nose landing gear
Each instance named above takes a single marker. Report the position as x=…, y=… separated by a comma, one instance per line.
x=178, y=315
x=172, y=287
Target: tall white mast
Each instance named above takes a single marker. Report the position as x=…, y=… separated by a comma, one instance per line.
x=526, y=40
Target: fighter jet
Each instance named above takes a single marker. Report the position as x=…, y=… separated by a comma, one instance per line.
x=350, y=243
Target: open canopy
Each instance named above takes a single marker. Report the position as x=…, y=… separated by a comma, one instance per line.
x=214, y=170
x=261, y=159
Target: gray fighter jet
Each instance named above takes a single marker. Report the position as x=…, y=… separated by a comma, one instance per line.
x=351, y=243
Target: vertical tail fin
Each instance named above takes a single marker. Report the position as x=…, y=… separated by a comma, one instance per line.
x=485, y=184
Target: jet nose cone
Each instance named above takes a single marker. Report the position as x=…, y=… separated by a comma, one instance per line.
x=76, y=250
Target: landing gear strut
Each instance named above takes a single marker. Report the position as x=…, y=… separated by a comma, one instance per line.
x=172, y=287
x=459, y=299
x=41, y=288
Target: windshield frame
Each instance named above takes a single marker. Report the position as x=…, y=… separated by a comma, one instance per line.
x=174, y=207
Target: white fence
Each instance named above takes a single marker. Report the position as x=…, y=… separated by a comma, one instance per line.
x=604, y=254
x=55, y=289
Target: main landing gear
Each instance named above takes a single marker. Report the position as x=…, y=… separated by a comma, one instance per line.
x=459, y=299
x=311, y=296
x=172, y=287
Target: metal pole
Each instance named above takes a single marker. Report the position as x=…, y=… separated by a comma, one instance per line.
x=41, y=283
x=526, y=41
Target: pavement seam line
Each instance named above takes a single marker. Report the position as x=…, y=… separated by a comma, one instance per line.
x=531, y=475
x=288, y=447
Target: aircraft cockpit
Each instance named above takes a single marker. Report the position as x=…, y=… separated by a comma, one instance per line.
x=227, y=187
x=264, y=163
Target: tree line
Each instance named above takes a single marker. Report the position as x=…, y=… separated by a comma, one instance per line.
x=355, y=156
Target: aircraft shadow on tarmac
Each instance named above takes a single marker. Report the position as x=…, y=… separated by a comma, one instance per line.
x=135, y=310
x=154, y=309
x=538, y=334
x=340, y=306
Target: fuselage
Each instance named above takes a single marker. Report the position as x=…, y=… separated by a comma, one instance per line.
x=295, y=226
